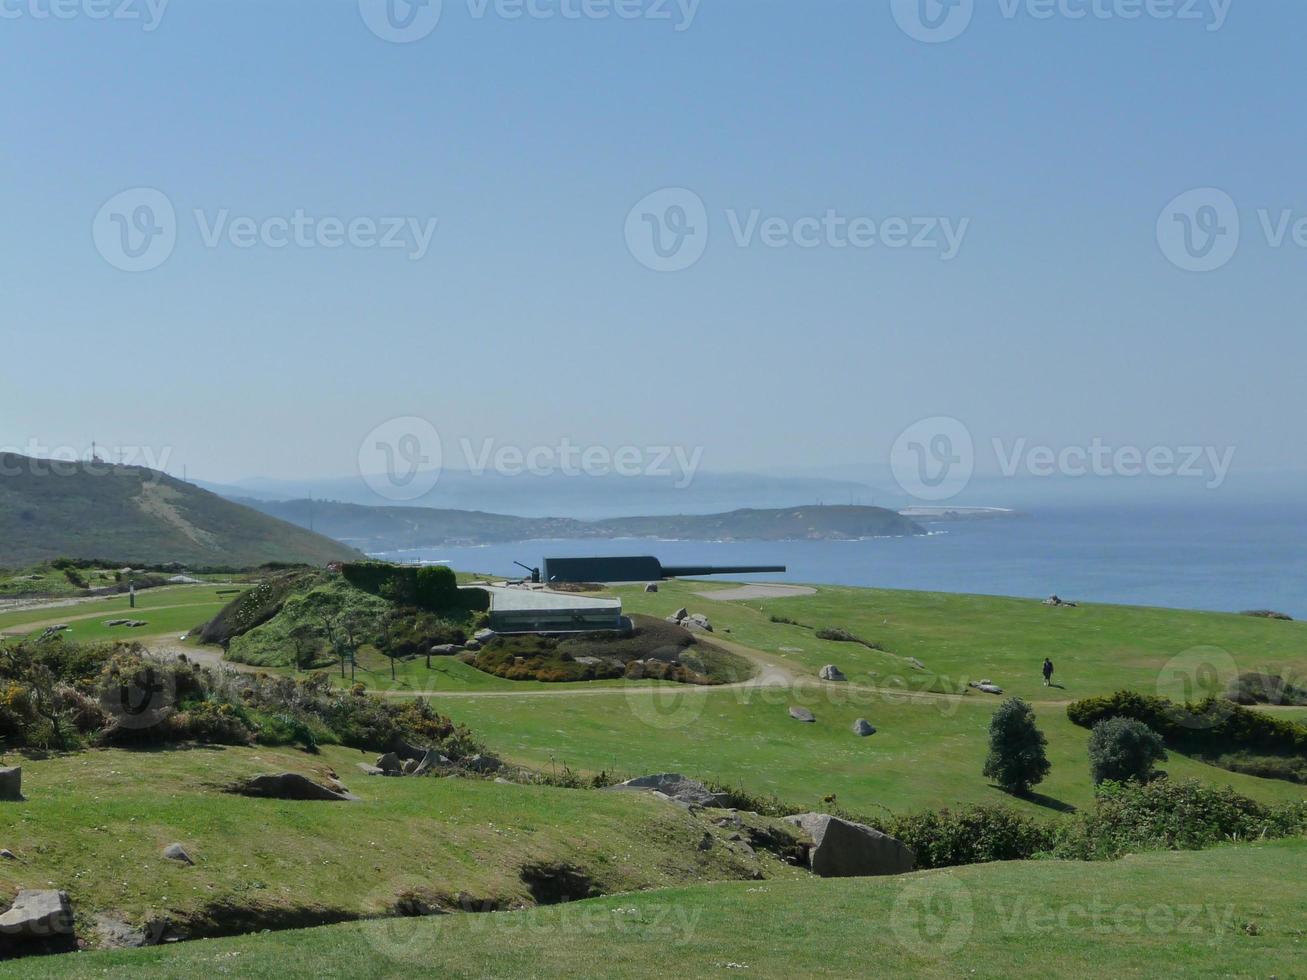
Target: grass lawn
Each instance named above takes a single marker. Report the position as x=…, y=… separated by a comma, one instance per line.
x=1203, y=914
x=170, y=610
x=1096, y=649
x=95, y=822
x=926, y=753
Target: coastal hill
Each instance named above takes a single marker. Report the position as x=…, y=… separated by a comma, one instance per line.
x=55, y=509
x=394, y=528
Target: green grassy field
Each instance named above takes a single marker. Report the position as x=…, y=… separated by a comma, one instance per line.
x=95, y=823
x=1204, y=914
x=168, y=611
x=1096, y=649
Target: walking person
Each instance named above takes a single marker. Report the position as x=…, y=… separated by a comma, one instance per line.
x=1048, y=672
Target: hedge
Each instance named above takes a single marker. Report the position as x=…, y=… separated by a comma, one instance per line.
x=433, y=587
x=1210, y=727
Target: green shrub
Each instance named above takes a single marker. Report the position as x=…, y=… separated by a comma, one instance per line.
x=1017, y=760
x=1122, y=749
x=1173, y=815
x=1265, y=689
x=1211, y=727
x=972, y=835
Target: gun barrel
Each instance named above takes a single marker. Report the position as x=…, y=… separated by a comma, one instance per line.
x=683, y=571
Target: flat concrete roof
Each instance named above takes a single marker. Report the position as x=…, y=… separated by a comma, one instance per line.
x=509, y=599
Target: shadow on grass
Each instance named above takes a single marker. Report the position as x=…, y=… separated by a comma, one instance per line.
x=1039, y=799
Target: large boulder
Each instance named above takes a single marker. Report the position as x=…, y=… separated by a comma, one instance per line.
x=651, y=587
x=37, y=915
x=862, y=727
x=832, y=673
x=674, y=786
x=485, y=636
x=697, y=623
x=843, y=849
x=11, y=784
x=289, y=786
x=482, y=763
x=390, y=764
x=802, y=714
x=445, y=649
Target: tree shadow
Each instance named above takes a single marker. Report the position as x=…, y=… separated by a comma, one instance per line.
x=1039, y=799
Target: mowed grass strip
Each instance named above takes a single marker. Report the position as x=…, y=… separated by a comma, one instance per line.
x=1200, y=914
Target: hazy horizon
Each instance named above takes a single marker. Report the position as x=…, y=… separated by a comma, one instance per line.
x=1043, y=303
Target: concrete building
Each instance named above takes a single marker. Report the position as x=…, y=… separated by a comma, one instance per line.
x=524, y=610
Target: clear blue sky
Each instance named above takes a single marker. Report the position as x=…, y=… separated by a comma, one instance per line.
x=529, y=320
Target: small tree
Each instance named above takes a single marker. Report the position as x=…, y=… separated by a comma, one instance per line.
x=306, y=638
x=1017, y=760
x=1123, y=749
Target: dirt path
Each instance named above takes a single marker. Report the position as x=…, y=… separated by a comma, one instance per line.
x=761, y=590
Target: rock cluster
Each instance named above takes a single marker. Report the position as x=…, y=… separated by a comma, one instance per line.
x=695, y=622
x=675, y=787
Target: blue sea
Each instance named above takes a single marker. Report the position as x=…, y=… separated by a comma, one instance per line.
x=1189, y=556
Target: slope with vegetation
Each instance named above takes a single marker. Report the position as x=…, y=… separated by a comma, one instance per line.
x=133, y=515
x=397, y=528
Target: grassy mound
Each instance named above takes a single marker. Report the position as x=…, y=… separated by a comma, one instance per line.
x=322, y=617
x=95, y=822
x=656, y=650
x=1172, y=914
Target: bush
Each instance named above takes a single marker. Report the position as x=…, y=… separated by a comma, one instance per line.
x=1017, y=760
x=1169, y=815
x=1122, y=749
x=255, y=606
x=1211, y=727
x=972, y=835
x=1265, y=689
